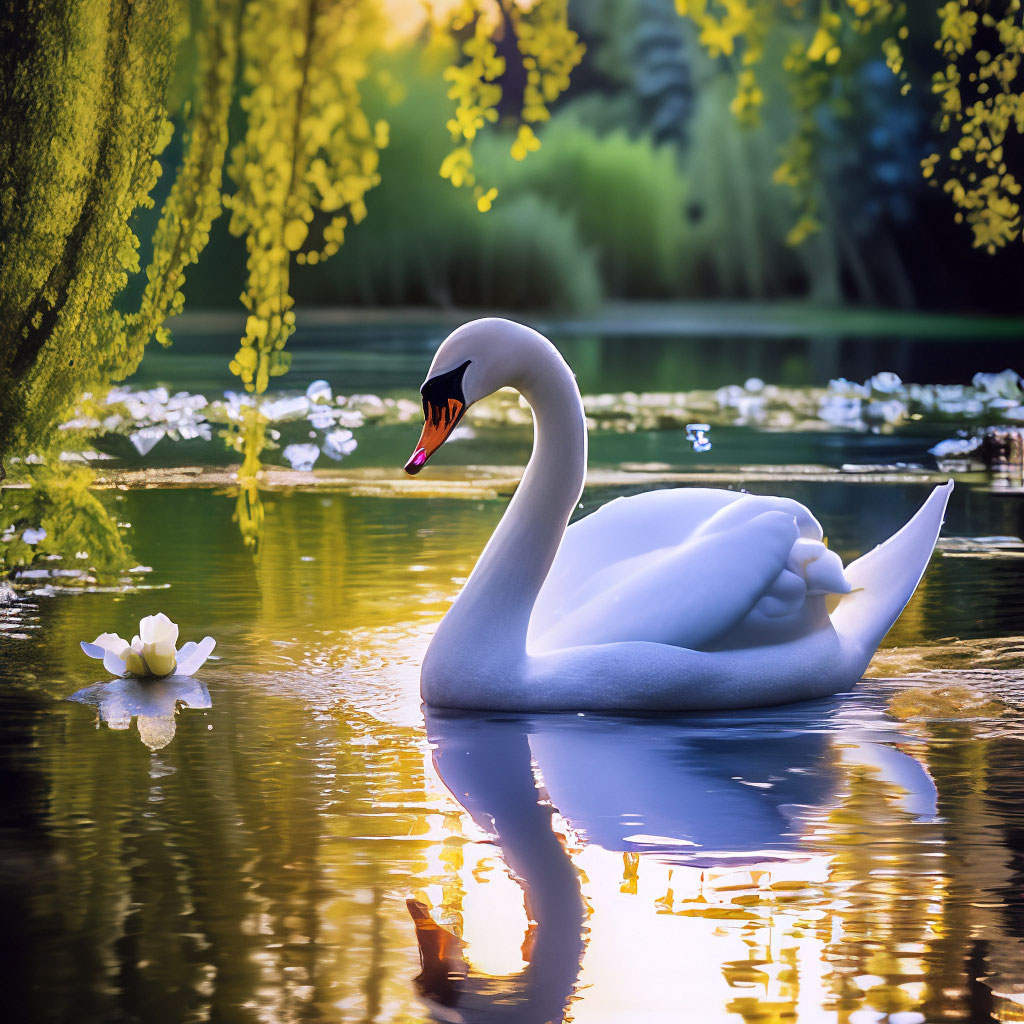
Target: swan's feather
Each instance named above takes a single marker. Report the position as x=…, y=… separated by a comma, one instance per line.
x=621, y=535
x=626, y=534
x=691, y=590
x=688, y=595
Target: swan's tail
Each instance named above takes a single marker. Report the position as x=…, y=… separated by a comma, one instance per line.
x=885, y=579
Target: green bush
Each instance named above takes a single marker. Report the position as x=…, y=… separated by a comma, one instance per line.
x=525, y=254
x=625, y=195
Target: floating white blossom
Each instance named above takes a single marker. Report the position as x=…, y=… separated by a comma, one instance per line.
x=1006, y=384
x=697, y=435
x=350, y=418
x=33, y=536
x=322, y=417
x=301, y=456
x=81, y=423
x=234, y=405
x=338, y=444
x=955, y=446
x=841, y=410
x=885, y=383
x=152, y=652
x=145, y=440
x=891, y=411
x=285, y=408
x=367, y=403
x=319, y=390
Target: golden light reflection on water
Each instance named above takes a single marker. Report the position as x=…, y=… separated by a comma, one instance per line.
x=819, y=863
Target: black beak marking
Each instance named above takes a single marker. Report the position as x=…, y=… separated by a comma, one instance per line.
x=436, y=392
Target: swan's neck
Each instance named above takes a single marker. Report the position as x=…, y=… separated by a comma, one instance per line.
x=489, y=619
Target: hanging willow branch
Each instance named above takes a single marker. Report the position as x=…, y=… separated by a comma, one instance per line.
x=81, y=122
x=515, y=57
x=194, y=202
x=308, y=149
x=979, y=91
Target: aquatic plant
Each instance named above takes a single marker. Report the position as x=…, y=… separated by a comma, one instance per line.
x=153, y=650
x=305, y=426
x=50, y=514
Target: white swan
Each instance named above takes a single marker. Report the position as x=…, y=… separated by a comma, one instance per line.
x=678, y=599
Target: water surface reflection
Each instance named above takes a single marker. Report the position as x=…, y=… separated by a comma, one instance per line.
x=818, y=861
x=152, y=703
x=639, y=833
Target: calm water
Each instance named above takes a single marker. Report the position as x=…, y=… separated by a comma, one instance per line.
x=250, y=858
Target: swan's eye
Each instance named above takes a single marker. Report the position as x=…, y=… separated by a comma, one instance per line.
x=443, y=405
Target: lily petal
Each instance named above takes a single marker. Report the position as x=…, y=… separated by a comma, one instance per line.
x=135, y=663
x=156, y=629
x=185, y=651
x=159, y=659
x=113, y=664
x=159, y=635
x=93, y=650
x=111, y=642
x=196, y=657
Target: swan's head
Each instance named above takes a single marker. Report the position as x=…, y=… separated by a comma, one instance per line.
x=473, y=362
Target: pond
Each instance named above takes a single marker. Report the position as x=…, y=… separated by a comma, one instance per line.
x=292, y=837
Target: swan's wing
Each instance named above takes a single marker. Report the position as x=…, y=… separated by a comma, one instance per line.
x=626, y=528
x=622, y=535
x=657, y=567
x=688, y=596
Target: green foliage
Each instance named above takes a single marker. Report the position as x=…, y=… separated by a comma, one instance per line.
x=80, y=530
x=737, y=217
x=979, y=90
x=81, y=124
x=526, y=253
x=426, y=243
x=625, y=195
x=194, y=202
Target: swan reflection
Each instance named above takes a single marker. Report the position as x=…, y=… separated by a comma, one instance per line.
x=153, y=703
x=616, y=830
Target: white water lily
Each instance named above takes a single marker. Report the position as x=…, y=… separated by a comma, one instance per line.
x=152, y=652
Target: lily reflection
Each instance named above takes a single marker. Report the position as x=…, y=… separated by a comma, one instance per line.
x=646, y=850
x=152, y=703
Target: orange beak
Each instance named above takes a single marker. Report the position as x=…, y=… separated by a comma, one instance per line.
x=437, y=425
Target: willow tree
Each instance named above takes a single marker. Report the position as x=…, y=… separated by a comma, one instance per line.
x=85, y=118
x=978, y=89
x=82, y=120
